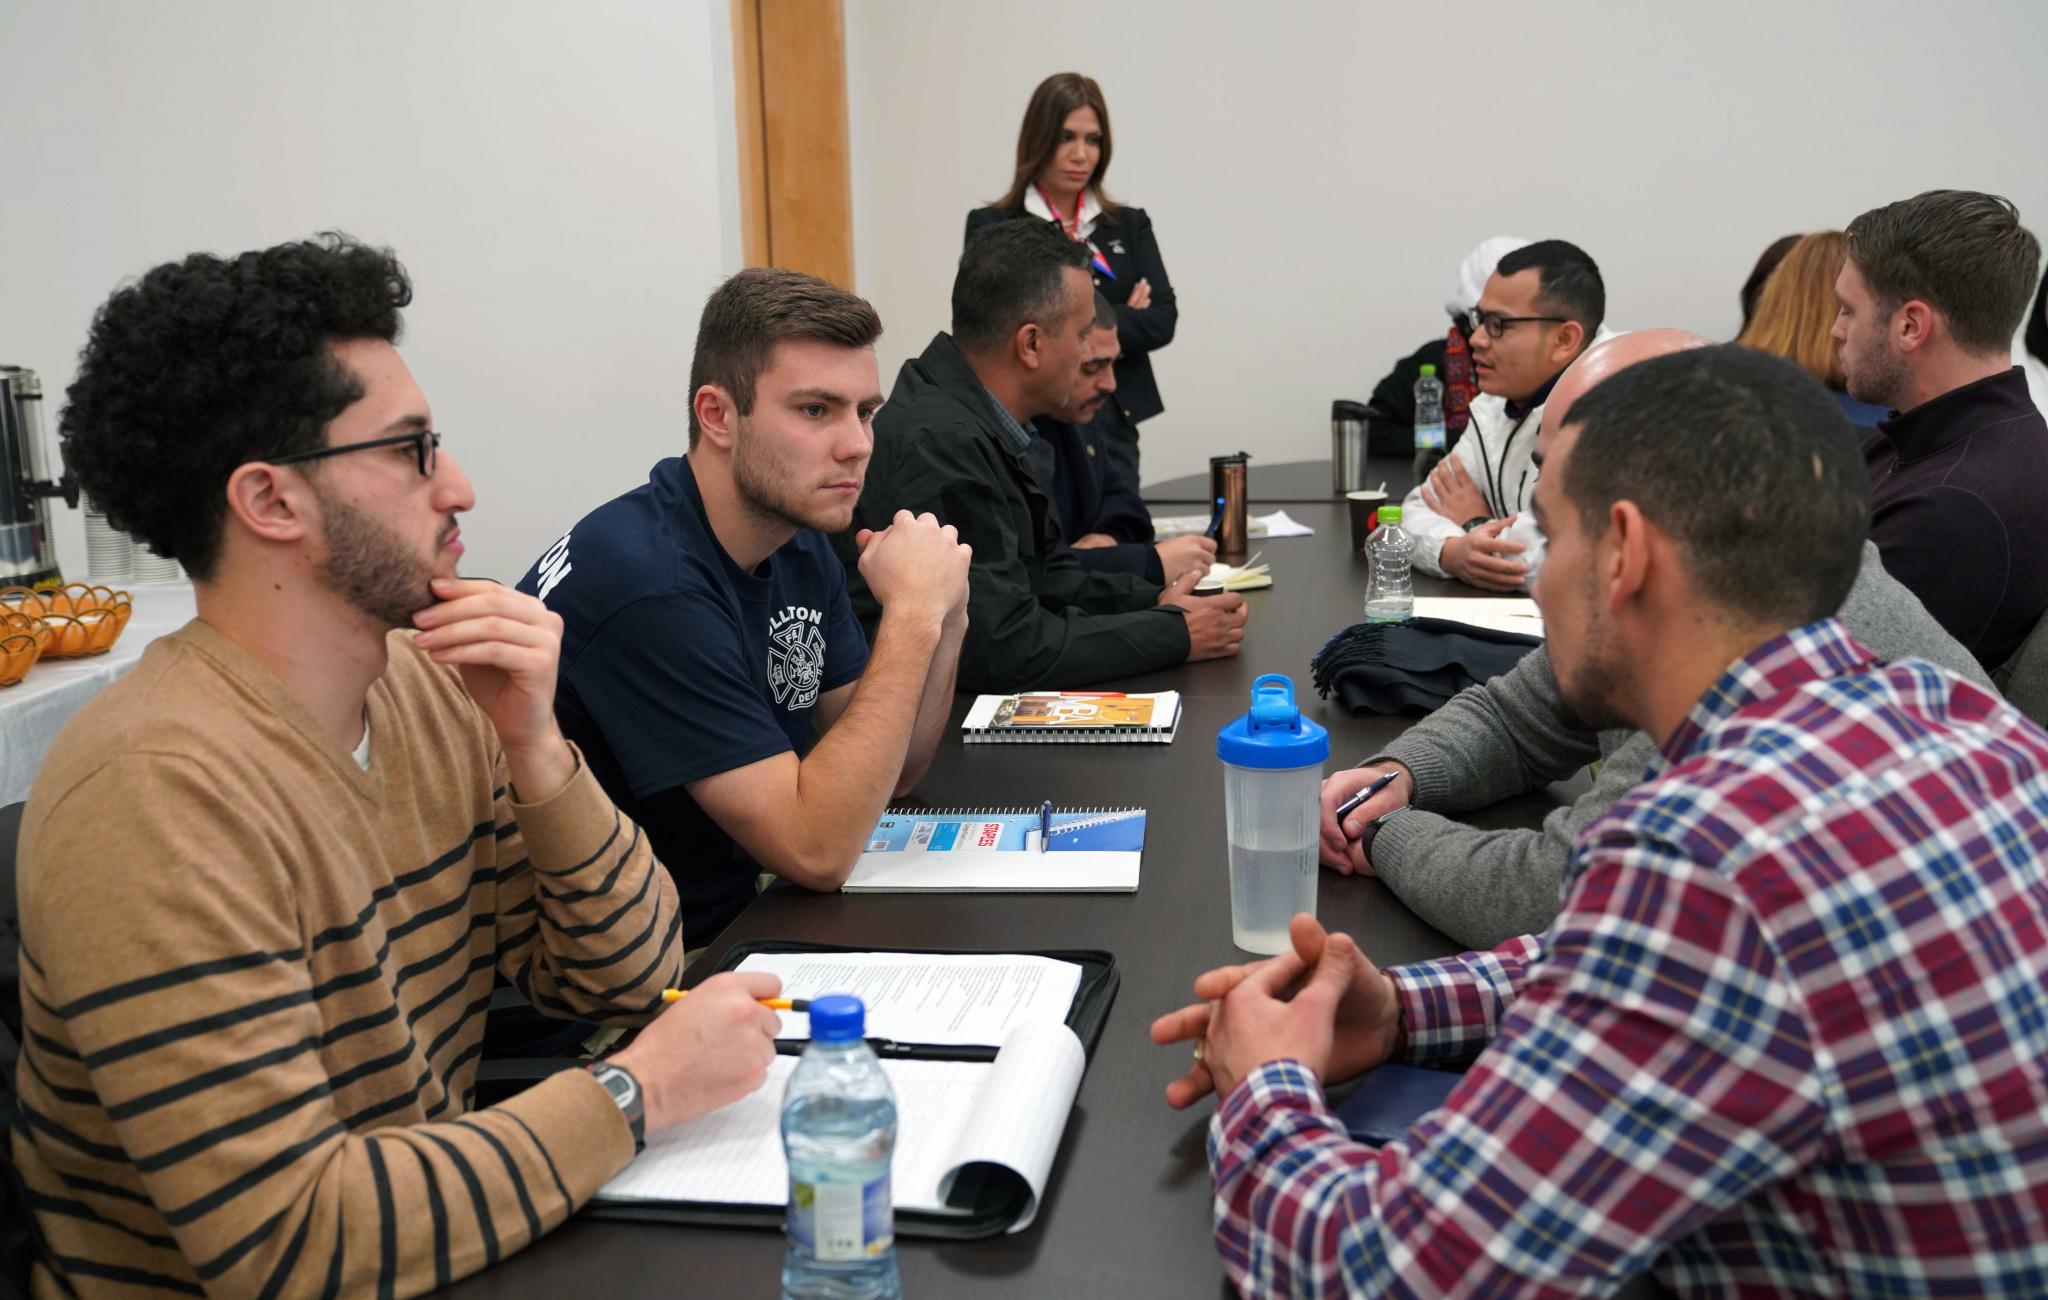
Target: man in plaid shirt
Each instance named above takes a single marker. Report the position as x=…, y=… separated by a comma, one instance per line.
x=1787, y=1035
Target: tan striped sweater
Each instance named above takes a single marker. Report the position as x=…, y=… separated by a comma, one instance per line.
x=254, y=979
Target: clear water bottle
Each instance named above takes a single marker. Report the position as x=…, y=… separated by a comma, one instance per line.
x=1392, y=597
x=838, y=1132
x=1429, y=422
x=1272, y=782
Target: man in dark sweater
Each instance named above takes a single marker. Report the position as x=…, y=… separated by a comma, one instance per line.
x=954, y=440
x=1931, y=292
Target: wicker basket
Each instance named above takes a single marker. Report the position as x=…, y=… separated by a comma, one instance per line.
x=18, y=653
x=67, y=622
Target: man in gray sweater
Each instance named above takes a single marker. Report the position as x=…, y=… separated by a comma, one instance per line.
x=1514, y=734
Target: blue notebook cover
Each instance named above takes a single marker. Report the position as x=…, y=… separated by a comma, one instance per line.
x=1119, y=830
x=1087, y=850
x=1390, y=1099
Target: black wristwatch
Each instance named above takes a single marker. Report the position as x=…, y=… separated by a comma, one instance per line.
x=625, y=1092
x=1372, y=831
x=1475, y=521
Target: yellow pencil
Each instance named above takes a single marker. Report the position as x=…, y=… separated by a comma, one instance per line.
x=773, y=1004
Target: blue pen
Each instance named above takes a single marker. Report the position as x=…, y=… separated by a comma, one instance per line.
x=1044, y=825
x=1215, y=527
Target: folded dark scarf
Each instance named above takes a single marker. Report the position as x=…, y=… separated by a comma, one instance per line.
x=1412, y=667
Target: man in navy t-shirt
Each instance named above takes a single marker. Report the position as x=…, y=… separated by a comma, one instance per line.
x=712, y=670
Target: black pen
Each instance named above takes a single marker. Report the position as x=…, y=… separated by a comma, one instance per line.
x=1352, y=804
x=1215, y=527
x=889, y=1048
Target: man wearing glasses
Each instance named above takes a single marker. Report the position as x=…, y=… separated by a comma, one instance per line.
x=1541, y=308
x=268, y=877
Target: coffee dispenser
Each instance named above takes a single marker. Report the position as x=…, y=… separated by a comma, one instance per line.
x=28, y=553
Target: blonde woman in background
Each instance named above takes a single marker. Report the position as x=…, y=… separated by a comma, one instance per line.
x=1795, y=318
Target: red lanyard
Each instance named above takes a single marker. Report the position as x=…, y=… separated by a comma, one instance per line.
x=1073, y=231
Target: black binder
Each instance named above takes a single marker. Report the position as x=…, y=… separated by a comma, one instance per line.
x=997, y=1198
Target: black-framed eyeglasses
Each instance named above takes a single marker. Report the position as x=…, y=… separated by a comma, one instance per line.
x=426, y=443
x=1496, y=324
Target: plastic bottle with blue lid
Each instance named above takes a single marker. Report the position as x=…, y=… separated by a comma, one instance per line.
x=1272, y=780
x=839, y=1134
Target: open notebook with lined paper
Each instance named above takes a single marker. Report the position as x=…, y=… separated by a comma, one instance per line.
x=985, y=1052
x=962, y=1128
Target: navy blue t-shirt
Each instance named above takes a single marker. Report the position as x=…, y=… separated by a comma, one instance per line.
x=677, y=665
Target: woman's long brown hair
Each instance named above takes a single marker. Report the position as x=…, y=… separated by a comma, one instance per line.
x=1795, y=314
x=1057, y=96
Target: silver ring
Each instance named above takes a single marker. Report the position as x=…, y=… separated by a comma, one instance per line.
x=1198, y=1052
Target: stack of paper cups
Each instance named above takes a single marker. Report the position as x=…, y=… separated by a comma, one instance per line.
x=109, y=552
x=151, y=567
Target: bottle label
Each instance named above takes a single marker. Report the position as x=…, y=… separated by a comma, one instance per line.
x=1429, y=437
x=841, y=1221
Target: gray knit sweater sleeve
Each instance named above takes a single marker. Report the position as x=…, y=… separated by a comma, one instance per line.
x=1514, y=734
x=1506, y=737
x=1882, y=614
x=1482, y=887
x=1494, y=741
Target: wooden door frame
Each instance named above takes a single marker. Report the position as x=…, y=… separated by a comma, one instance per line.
x=795, y=173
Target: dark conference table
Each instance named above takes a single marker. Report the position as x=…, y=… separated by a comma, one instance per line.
x=1127, y=1208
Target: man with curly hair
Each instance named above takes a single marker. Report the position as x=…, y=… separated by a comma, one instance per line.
x=268, y=877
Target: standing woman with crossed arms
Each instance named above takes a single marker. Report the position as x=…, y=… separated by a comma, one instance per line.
x=1063, y=153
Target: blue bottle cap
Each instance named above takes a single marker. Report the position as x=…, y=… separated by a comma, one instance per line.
x=1273, y=734
x=837, y=1018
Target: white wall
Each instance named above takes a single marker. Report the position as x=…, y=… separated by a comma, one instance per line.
x=1317, y=168
x=554, y=175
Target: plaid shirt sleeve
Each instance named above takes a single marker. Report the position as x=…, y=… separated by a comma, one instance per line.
x=1452, y=1008
x=1643, y=1076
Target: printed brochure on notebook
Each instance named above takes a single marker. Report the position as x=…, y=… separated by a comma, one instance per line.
x=1087, y=716
x=946, y=850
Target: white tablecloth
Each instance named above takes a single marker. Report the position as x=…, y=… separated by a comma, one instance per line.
x=36, y=709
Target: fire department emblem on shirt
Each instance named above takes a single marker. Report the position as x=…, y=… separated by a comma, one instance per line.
x=796, y=656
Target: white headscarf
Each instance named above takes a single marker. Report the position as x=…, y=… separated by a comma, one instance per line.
x=1478, y=265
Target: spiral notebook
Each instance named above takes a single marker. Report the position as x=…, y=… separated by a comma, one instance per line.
x=1041, y=717
x=1002, y=850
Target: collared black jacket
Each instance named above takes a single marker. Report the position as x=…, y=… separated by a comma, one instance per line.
x=1127, y=244
x=1036, y=619
x=1090, y=495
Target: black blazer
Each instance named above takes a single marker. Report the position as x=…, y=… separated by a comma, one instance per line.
x=1126, y=243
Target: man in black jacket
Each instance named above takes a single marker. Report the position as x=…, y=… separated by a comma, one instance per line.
x=953, y=440
x=1137, y=286
x=1099, y=512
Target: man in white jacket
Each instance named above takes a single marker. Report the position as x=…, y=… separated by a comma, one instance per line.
x=1541, y=308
